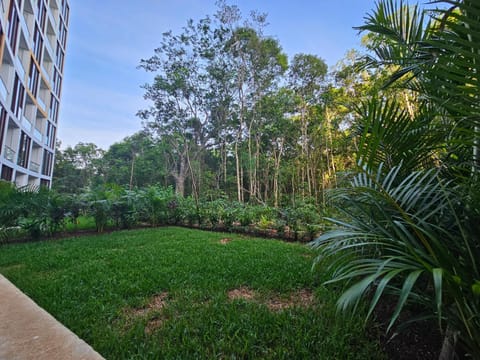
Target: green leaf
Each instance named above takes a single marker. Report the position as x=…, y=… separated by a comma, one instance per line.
x=437, y=283
x=404, y=294
x=476, y=288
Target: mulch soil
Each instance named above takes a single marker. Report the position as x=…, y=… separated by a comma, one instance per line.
x=419, y=341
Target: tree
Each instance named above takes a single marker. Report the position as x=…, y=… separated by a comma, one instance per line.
x=136, y=161
x=66, y=177
x=78, y=167
x=306, y=76
x=180, y=114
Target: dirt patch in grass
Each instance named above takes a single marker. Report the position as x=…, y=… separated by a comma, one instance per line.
x=225, y=241
x=151, y=311
x=156, y=303
x=241, y=293
x=153, y=324
x=302, y=298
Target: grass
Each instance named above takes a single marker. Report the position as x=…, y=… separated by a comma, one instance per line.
x=102, y=287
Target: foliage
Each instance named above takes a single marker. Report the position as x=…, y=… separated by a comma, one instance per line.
x=388, y=135
x=404, y=236
x=409, y=224
x=10, y=209
x=158, y=205
x=37, y=210
x=77, y=168
x=303, y=217
x=44, y=213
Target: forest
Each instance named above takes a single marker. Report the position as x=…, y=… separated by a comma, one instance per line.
x=232, y=116
x=379, y=155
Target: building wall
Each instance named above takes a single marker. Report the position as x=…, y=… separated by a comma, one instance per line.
x=33, y=36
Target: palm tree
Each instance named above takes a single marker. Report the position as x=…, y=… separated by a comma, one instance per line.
x=409, y=222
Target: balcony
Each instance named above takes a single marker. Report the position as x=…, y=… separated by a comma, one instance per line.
x=10, y=154
x=34, y=166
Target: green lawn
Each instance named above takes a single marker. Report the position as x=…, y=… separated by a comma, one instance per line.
x=167, y=293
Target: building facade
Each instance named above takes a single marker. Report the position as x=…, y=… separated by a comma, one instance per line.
x=33, y=37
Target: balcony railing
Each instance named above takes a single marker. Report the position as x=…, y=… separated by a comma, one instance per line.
x=20, y=69
x=37, y=134
x=34, y=166
x=9, y=153
x=41, y=103
x=26, y=123
x=3, y=89
x=45, y=73
x=49, y=46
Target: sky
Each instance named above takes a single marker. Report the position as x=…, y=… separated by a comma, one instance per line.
x=107, y=39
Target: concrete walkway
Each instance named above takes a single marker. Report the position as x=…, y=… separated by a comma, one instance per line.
x=29, y=332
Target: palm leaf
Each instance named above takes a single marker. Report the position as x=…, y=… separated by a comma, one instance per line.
x=410, y=238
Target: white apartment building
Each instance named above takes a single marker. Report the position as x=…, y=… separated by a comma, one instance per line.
x=33, y=37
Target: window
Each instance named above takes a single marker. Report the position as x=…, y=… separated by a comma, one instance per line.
x=12, y=26
x=47, y=163
x=57, y=82
x=3, y=124
x=18, y=97
x=50, y=133
x=33, y=77
x=66, y=13
x=7, y=173
x=62, y=34
x=42, y=14
x=53, y=111
x=52, y=137
x=24, y=150
x=44, y=183
x=60, y=55
x=1, y=30
x=37, y=44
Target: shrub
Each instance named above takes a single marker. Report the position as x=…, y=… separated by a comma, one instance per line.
x=159, y=205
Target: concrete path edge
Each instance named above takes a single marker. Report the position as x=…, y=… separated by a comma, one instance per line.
x=29, y=332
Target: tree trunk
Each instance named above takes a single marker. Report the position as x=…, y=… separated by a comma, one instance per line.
x=131, y=171
x=179, y=185
x=237, y=168
x=258, y=187
x=277, y=158
x=180, y=174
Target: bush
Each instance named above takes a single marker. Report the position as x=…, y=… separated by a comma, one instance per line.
x=159, y=205
x=303, y=218
x=99, y=210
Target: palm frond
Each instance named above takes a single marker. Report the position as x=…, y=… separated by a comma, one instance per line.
x=400, y=35
x=390, y=136
x=397, y=234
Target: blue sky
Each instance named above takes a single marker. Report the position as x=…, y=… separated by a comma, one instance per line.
x=107, y=39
